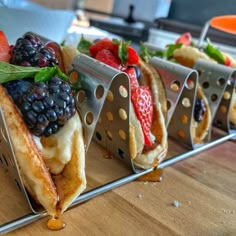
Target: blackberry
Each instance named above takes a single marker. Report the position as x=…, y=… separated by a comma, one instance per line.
x=17, y=89
x=45, y=106
x=199, y=110
x=30, y=51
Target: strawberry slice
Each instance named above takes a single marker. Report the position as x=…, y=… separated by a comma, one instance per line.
x=100, y=45
x=132, y=56
x=131, y=72
x=126, y=53
x=143, y=105
x=227, y=61
x=4, y=48
x=185, y=39
x=107, y=57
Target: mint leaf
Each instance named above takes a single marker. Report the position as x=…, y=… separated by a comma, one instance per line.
x=170, y=50
x=122, y=50
x=62, y=43
x=83, y=46
x=46, y=73
x=61, y=74
x=146, y=53
x=9, y=72
x=214, y=53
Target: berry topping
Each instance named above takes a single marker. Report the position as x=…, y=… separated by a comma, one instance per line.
x=143, y=105
x=199, y=110
x=30, y=51
x=228, y=62
x=108, y=58
x=185, y=39
x=122, y=56
x=121, y=50
x=132, y=56
x=4, y=48
x=45, y=106
x=100, y=45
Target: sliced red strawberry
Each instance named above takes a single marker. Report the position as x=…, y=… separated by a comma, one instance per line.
x=108, y=58
x=185, y=39
x=132, y=56
x=131, y=72
x=143, y=105
x=127, y=54
x=4, y=48
x=100, y=45
x=227, y=60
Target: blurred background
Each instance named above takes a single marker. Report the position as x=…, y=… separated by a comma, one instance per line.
x=156, y=21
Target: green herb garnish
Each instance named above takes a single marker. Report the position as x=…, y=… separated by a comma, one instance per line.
x=168, y=53
x=83, y=46
x=63, y=43
x=214, y=53
x=146, y=53
x=9, y=72
x=46, y=73
x=122, y=50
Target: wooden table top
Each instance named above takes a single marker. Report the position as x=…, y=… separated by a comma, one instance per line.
x=197, y=196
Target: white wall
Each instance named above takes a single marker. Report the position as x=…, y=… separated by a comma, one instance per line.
x=147, y=10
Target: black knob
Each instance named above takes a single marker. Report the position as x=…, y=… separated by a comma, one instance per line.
x=130, y=18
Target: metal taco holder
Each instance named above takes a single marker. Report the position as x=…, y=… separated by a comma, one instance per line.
x=97, y=112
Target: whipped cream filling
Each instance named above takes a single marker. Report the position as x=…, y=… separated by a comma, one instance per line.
x=57, y=148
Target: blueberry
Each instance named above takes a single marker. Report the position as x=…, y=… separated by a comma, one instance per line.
x=199, y=110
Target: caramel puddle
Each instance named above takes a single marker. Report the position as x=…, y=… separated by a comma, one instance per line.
x=154, y=176
x=55, y=223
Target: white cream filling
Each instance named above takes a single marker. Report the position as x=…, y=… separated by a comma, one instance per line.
x=57, y=148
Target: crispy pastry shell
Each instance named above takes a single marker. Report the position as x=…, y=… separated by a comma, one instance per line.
x=187, y=56
x=200, y=129
x=151, y=157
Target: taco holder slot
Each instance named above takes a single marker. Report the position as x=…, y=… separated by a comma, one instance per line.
x=107, y=121
x=218, y=83
x=180, y=84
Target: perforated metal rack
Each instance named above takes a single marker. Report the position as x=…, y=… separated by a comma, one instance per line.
x=102, y=95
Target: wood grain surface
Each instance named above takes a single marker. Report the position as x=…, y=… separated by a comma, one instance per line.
x=197, y=196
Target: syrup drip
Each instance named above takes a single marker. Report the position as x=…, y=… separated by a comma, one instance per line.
x=108, y=155
x=154, y=176
x=55, y=223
